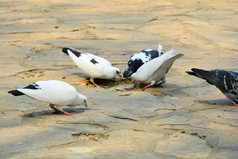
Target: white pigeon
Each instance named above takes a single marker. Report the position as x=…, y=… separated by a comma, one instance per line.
x=57, y=93
x=155, y=70
x=92, y=65
x=140, y=58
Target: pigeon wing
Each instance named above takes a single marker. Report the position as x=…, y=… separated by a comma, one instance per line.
x=226, y=81
x=51, y=91
x=165, y=67
x=147, y=70
x=35, y=91
x=210, y=76
x=90, y=64
x=229, y=80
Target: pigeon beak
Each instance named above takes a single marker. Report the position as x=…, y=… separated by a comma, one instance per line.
x=85, y=103
x=119, y=74
x=127, y=74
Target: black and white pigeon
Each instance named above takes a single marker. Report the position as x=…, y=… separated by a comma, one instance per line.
x=154, y=71
x=225, y=81
x=140, y=58
x=92, y=65
x=55, y=92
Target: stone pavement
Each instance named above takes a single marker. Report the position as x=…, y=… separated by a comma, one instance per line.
x=187, y=118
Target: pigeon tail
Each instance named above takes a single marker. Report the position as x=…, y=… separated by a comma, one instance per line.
x=171, y=53
x=72, y=50
x=16, y=93
x=65, y=50
x=209, y=76
x=194, y=74
x=168, y=63
x=160, y=47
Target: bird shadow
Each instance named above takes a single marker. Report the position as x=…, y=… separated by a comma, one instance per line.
x=51, y=112
x=81, y=75
x=104, y=83
x=156, y=86
x=215, y=102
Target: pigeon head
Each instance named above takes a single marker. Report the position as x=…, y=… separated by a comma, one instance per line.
x=117, y=72
x=112, y=72
x=81, y=100
x=127, y=73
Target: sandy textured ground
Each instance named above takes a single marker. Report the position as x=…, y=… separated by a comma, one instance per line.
x=187, y=118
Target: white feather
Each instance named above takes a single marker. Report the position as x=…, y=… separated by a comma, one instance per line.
x=160, y=47
x=55, y=92
x=103, y=69
x=156, y=69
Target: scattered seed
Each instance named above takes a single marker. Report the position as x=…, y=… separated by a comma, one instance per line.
x=194, y=134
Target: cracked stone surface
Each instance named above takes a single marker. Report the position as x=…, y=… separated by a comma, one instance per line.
x=186, y=118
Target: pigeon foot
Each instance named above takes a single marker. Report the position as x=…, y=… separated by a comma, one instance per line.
x=66, y=113
x=58, y=111
x=95, y=84
x=234, y=103
x=62, y=113
x=146, y=87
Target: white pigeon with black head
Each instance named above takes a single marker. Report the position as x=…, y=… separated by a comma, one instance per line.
x=225, y=81
x=55, y=92
x=140, y=58
x=92, y=65
x=154, y=71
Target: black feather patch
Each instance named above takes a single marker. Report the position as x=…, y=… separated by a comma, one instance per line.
x=135, y=65
x=146, y=55
x=16, y=93
x=151, y=53
x=64, y=50
x=93, y=61
x=32, y=86
x=76, y=53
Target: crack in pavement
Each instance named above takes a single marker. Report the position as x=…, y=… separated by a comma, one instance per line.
x=123, y=118
x=86, y=123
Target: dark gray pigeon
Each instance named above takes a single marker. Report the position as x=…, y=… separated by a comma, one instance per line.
x=225, y=81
